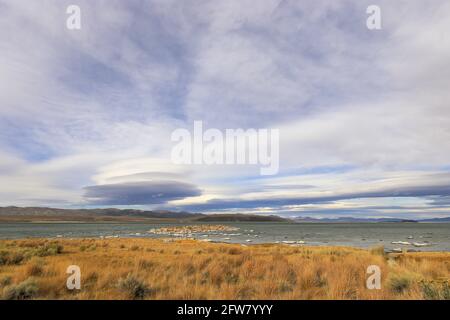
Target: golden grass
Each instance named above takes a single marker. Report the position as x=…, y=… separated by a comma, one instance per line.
x=188, y=269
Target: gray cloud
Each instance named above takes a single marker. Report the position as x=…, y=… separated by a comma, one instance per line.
x=440, y=201
x=409, y=191
x=139, y=193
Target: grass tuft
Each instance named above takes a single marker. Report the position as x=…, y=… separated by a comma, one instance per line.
x=133, y=287
x=25, y=290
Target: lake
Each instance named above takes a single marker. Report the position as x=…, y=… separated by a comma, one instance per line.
x=362, y=235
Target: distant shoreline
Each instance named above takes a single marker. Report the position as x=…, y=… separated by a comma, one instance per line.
x=225, y=243
x=110, y=215
x=172, y=240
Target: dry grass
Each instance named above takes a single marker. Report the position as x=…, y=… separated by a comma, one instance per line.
x=187, y=269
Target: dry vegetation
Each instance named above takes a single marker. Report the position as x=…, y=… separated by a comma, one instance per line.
x=187, y=269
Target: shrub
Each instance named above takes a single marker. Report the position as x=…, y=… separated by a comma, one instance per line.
x=133, y=287
x=319, y=279
x=429, y=291
x=5, y=281
x=446, y=291
x=27, y=289
x=399, y=284
x=50, y=249
x=35, y=270
x=14, y=258
x=3, y=257
x=91, y=278
x=436, y=291
x=231, y=278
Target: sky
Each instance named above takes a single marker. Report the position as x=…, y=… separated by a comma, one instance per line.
x=86, y=116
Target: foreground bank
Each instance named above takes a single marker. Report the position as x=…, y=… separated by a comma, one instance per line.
x=188, y=269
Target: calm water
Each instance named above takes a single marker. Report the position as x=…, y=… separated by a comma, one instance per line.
x=348, y=234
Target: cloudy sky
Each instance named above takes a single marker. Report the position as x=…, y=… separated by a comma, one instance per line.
x=86, y=115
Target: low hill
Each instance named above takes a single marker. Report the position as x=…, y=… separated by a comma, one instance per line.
x=366, y=220
x=240, y=218
x=43, y=214
x=111, y=214
x=446, y=219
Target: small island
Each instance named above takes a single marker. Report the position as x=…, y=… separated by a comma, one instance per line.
x=189, y=230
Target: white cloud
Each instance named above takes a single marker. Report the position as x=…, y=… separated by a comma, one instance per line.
x=98, y=106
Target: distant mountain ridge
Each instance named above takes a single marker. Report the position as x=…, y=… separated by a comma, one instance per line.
x=374, y=220
x=236, y=217
x=45, y=214
x=108, y=211
x=446, y=219
x=33, y=214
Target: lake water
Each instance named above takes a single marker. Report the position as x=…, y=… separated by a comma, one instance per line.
x=346, y=234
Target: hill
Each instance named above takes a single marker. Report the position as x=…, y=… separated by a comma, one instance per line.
x=32, y=214
x=446, y=219
x=240, y=218
x=44, y=214
x=350, y=220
